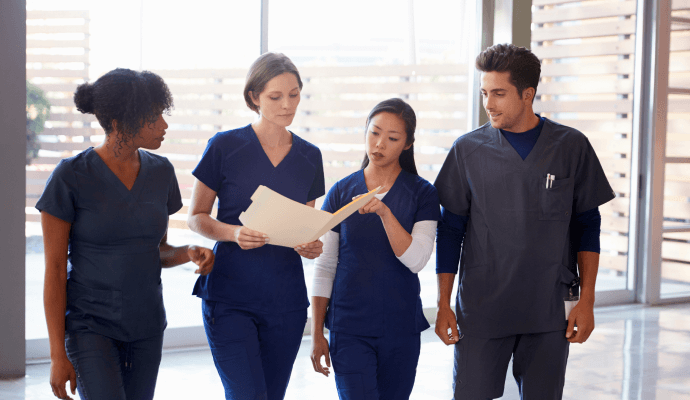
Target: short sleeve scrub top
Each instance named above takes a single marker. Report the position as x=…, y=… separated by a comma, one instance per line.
x=516, y=265
x=114, y=267
x=268, y=279
x=374, y=293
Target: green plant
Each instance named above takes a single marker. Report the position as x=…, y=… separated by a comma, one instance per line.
x=37, y=112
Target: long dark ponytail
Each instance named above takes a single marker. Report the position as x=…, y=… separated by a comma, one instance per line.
x=406, y=113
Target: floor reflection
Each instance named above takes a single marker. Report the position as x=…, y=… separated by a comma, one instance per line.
x=634, y=353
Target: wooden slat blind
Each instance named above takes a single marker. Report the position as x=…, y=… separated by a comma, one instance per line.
x=587, y=53
x=335, y=102
x=54, y=67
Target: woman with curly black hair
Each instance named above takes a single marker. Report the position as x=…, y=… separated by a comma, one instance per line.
x=105, y=215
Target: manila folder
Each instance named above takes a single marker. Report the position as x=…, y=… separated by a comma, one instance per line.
x=289, y=223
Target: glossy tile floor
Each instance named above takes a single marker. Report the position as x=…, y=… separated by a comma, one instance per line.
x=634, y=353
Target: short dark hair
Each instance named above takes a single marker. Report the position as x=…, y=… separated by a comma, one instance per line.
x=266, y=67
x=131, y=98
x=407, y=115
x=523, y=65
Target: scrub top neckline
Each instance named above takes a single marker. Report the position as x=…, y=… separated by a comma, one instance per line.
x=363, y=181
x=109, y=175
x=514, y=156
x=256, y=140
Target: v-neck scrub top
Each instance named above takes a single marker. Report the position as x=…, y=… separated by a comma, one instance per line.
x=517, y=257
x=268, y=279
x=114, y=267
x=374, y=293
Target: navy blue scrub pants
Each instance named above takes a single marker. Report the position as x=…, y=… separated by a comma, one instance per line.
x=253, y=352
x=539, y=362
x=109, y=369
x=374, y=368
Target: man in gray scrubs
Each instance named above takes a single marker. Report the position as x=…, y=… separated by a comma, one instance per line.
x=520, y=197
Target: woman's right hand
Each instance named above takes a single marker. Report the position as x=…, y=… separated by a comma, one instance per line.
x=249, y=239
x=319, y=348
x=61, y=371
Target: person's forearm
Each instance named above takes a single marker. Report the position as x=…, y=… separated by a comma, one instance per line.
x=54, y=304
x=55, y=245
x=398, y=237
x=172, y=256
x=319, y=305
x=209, y=227
x=588, y=264
x=450, y=235
x=445, y=289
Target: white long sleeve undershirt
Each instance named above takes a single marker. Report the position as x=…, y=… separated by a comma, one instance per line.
x=415, y=257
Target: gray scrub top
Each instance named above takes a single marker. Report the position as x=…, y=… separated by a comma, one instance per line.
x=114, y=267
x=516, y=263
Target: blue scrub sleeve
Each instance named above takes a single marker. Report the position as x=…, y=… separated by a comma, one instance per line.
x=60, y=195
x=318, y=187
x=174, y=196
x=592, y=189
x=449, y=237
x=210, y=167
x=428, y=206
x=330, y=203
x=454, y=190
x=585, y=231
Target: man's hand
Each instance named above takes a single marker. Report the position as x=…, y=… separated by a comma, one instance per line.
x=581, y=316
x=445, y=319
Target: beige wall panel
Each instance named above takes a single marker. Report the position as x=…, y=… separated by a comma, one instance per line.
x=614, y=106
x=80, y=28
x=626, y=46
x=585, y=11
x=41, y=44
x=675, y=271
x=57, y=58
x=35, y=14
x=583, y=68
x=619, y=27
x=586, y=87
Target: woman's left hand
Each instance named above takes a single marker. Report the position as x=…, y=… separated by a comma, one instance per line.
x=310, y=250
x=375, y=206
x=203, y=257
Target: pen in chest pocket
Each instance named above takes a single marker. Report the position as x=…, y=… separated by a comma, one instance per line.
x=549, y=180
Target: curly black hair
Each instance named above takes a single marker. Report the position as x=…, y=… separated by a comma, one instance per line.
x=131, y=98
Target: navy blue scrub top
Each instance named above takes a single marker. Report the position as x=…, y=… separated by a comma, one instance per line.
x=375, y=294
x=516, y=262
x=114, y=267
x=268, y=279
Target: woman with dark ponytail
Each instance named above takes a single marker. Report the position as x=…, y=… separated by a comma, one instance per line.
x=104, y=214
x=366, y=288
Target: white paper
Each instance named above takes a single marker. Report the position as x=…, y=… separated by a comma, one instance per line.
x=289, y=223
x=569, y=305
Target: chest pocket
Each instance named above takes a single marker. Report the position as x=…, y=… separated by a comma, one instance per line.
x=556, y=202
